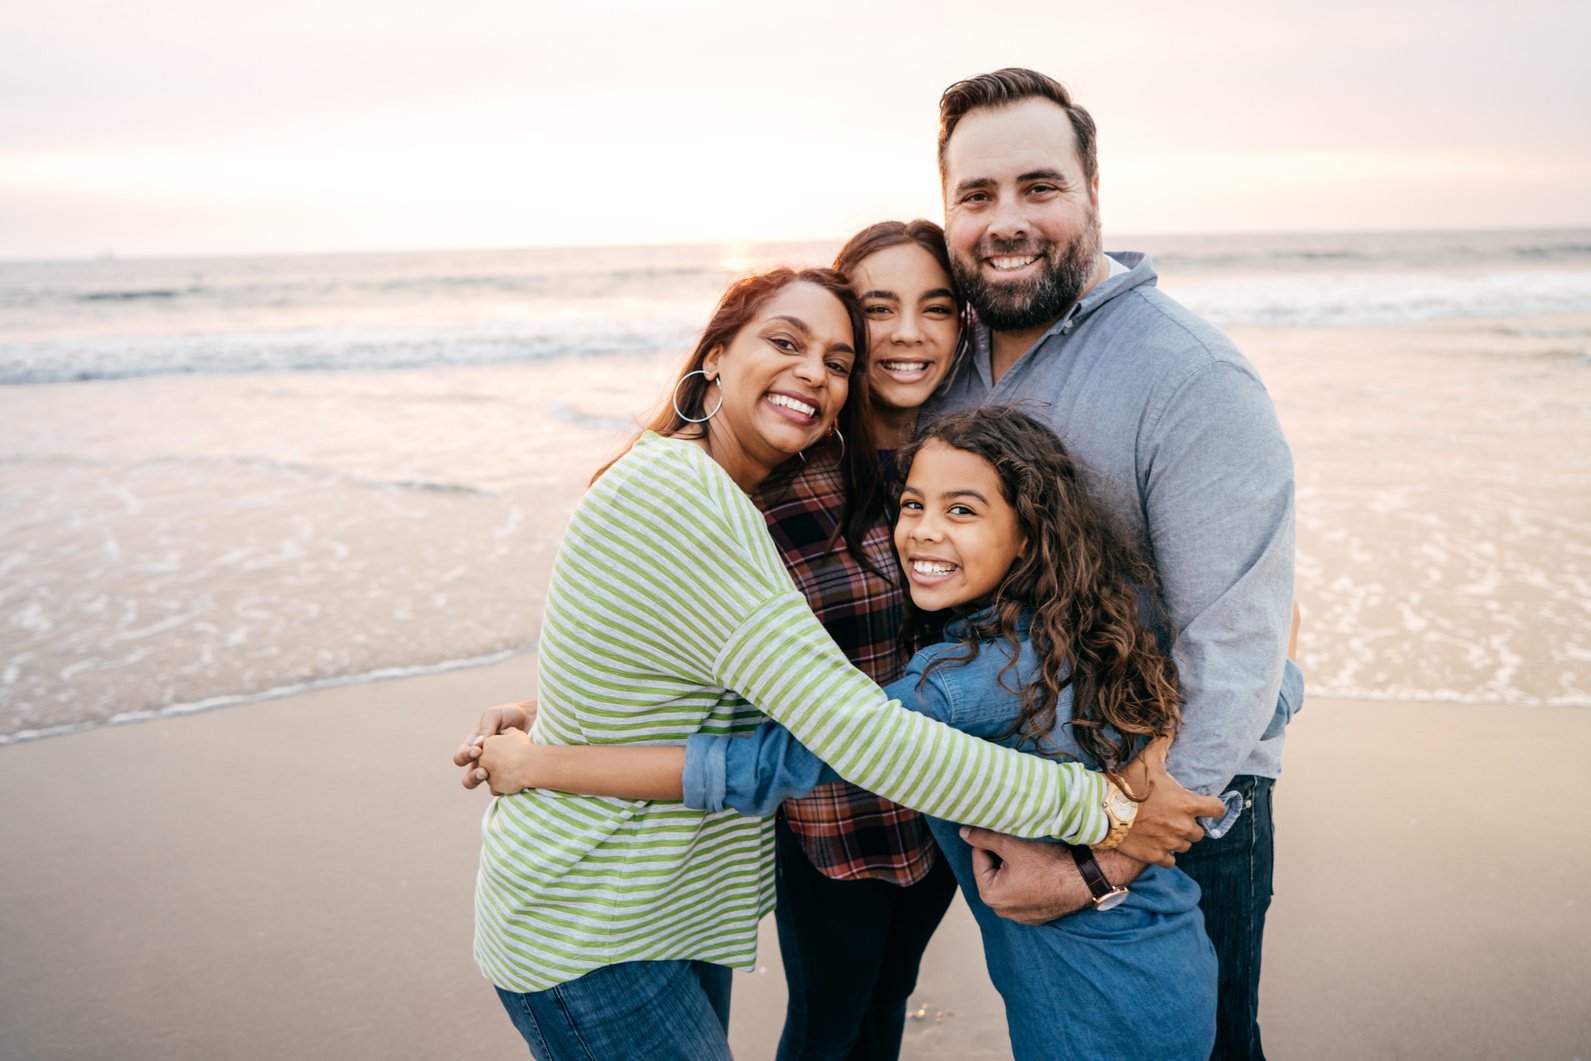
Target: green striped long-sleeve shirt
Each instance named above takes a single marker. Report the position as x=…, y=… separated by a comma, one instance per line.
x=670, y=613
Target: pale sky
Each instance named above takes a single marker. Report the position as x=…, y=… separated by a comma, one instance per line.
x=172, y=127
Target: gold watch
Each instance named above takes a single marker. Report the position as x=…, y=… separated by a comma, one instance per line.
x=1121, y=811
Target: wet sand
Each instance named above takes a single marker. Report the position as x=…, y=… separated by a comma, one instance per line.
x=293, y=878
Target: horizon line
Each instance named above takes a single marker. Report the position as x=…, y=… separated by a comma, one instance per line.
x=110, y=254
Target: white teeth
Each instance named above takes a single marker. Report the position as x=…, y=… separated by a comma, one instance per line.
x=932, y=567
x=904, y=366
x=792, y=403
x=1013, y=263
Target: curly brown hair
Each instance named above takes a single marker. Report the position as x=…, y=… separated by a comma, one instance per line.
x=1081, y=582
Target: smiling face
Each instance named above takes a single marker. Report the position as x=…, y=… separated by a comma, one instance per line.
x=912, y=323
x=957, y=536
x=1021, y=216
x=785, y=376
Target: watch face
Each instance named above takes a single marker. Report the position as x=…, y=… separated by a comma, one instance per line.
x=1114, y=899
x=1122, y=808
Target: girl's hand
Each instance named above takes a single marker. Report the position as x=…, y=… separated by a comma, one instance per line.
x=1165, y=825
x=493, y=720
x=508, y=763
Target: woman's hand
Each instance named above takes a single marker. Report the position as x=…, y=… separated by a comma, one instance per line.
x=493, y=720
x=1165, y=825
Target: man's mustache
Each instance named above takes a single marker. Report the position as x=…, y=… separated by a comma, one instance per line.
x=989, y=247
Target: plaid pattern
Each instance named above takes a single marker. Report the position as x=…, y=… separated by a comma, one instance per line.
x=847, y=832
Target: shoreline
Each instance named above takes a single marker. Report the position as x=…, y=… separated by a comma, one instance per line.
x=296, y=880
x=216, y=703
x=385, y=674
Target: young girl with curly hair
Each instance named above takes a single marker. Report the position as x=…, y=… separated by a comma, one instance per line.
x=1046, y=651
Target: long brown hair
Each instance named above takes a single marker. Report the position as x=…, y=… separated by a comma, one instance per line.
x=739, y=305
x=885, y=234
x=1079, y=580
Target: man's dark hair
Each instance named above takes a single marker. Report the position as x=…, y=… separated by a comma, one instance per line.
x=1012, y=85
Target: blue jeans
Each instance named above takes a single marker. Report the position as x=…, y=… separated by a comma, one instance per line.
x=851, y=949
x=650, y=1011
x=1234, y=875
x=1134, y=983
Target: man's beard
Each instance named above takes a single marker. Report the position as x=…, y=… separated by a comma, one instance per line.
x=1018, y=305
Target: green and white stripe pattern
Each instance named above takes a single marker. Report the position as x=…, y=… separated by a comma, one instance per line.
x=670, y=613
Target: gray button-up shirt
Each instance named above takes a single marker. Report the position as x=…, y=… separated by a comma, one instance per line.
x=1178, y=436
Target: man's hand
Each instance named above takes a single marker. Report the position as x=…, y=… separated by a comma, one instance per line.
x=1165, y=825
x=493, y=720
x=1031, y=882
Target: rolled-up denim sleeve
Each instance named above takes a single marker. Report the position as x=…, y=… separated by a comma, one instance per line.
x=751, y=774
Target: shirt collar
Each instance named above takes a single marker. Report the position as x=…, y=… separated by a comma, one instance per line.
x=959, y=629
x=1127, y=269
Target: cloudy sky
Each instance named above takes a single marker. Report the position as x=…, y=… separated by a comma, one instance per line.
x=214, y=126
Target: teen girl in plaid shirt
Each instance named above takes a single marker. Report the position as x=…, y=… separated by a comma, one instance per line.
x=861, y=886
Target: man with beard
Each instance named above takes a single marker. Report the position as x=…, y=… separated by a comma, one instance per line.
x=1181, y=441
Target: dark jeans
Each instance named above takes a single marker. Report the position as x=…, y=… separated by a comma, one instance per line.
x=851, y=949
x=1234, y=874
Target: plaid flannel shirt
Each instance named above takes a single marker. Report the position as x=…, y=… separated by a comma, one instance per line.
x=847, y=832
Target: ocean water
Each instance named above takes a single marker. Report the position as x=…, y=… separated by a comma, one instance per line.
x=224, y=479
x=67, y=321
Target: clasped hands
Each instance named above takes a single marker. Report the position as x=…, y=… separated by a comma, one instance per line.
x=493, y=747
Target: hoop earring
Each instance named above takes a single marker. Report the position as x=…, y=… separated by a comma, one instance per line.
x=834, y=430
x=694, y=419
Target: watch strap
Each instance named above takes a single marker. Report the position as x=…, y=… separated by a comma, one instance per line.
x=1093, y=874
x=1107, y=896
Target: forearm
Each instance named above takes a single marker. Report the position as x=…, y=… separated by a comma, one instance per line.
x=1065, y=891
x=1231, y=677
x=636, y=772
x=1220, y=523
x=621, y=771
x=1118, y=868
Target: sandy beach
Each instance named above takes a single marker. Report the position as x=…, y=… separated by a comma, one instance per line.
x=293, y=879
